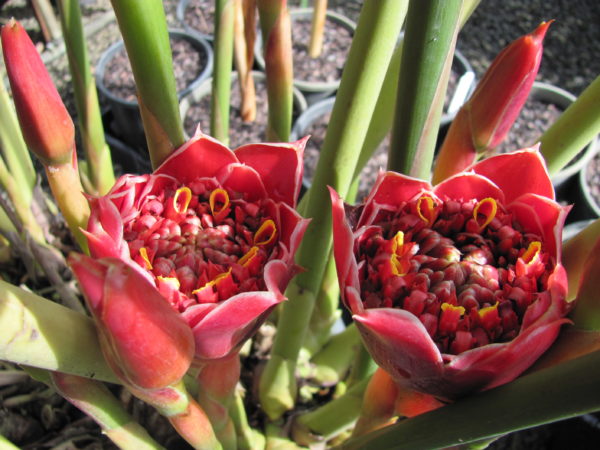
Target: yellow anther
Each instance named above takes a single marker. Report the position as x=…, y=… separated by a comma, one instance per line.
x=144, y=255
x=397, y=242
x=213, y=282
x=245, y=260
x=487, y=208
x=174, y=282
x=449, y=307
x=483, y=311
x=266, y=233
x=425, y=209
x=186, y=197
x=218, y=196
x=532, y=252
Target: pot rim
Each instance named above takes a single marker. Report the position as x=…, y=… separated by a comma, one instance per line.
x=197, y=41
x=180, y=15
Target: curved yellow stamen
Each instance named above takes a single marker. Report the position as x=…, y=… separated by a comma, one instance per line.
x=450, y=307
x=490, y=208
x=397, y=242
x=221, y=196
x=483, y=311
x=425, y=209
x=174, y=282
x=186, y=193
x=213, y=282
x=400, y=266
x=266, y=233
x=245, y=260
x=532, y=252
x=144, y=255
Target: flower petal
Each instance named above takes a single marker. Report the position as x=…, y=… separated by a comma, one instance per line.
x=279, y=165
x=243, y=179
x=518, y=173
x=467, y=186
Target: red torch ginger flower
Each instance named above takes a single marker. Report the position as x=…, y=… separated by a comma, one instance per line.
x=214, y=230
x=458, y=287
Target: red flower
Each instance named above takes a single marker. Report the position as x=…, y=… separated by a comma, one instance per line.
x=458, y=287
x=214, y=230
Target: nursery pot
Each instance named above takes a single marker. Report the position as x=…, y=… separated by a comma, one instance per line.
x=200, y=96
x=199, y=18
x=127, y=122
x=314, y=90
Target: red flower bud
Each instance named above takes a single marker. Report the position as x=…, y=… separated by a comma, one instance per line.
x=46, y=125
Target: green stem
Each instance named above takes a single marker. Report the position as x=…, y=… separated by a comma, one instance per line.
x=144, y=29
x=369, y=56
x=575, y=253
x=574, y=129
x=277, y=46
x=362, y=367
x=100, y=170
x=5, y=444
x=221, y=84
x=334, y=360
x=539, y=398
x=40, y=333
x=330, y=419
x=429, y=40
x=95, y=400
x=247, y=438
x=318, y=26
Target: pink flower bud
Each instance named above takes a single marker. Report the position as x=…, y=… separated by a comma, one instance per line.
x=46, y=125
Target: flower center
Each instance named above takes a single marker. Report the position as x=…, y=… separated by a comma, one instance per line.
x=202, y=243
x=465, y=269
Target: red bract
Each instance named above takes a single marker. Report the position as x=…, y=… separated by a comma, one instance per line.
x=214, y=230
x=458, y=287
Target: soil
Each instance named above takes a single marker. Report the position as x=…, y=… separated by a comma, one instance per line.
x=188, y=62
x=245, y=132
x=328, y=67
x=199, y=15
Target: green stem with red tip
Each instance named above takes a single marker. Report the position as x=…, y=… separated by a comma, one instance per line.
x=99, y=164
x=277, y=45
x=221, y=84
x=144, y=29
x=372, y=47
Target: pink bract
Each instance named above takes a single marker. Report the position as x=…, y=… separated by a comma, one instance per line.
x=458, y=287
x=214, y=230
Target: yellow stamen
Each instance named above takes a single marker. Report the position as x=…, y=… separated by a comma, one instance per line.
x=490, y=207
x=185, y=202
x=397, y=242
x=425, y=206
x=449, y=307
x=400, y=266
x=144, y=255
x=532, y=252
x=221, y=196
x=266, y=233
x=174, y=282
x=213, y=282
x=483, y=311
x=245, y=260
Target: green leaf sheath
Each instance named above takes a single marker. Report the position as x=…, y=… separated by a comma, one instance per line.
x=100, y=170
x=371, y=50
x=427, y=54
x=532, y=400
x=221, y=84
x=575, y=128
x=144, y=29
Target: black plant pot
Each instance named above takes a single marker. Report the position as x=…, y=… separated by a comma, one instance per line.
x=126, y=123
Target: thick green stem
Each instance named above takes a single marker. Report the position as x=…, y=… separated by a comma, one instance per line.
x=95, y=400
x=369, y=56
x=144, y=29
x=575, y=128
x=532, y=400
x=334, y=360
x=363, y=366
x=40, y=333
x=575, y=253
x=277, y=45
x=99, y=163
x=221, y=87
x=427, y=55
x=247, y=438
x=330, y=419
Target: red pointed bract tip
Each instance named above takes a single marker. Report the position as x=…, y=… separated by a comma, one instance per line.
x=46, y=125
